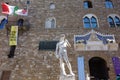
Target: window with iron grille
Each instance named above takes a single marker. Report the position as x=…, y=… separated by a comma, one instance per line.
x=47, y=45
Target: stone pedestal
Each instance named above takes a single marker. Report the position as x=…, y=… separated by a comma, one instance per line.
x=67, y=77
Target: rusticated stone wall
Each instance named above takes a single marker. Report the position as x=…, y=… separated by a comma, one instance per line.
x=29, y=62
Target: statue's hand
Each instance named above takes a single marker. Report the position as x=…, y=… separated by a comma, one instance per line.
x=57, y=56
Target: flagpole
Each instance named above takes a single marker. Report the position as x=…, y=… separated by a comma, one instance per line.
x=7, y=22
x=28, y=2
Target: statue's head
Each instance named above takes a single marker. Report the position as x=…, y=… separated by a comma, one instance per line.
x=62, y=37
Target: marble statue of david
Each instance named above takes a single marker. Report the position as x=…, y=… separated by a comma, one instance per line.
x=61, y=54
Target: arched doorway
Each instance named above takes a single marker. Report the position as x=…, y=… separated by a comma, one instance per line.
x=98, y=69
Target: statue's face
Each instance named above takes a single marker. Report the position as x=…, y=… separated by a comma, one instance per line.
x=62, y=37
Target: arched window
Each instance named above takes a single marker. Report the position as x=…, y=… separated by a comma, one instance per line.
x=93, y=22
x=3, y=21
x=108, y=4
x=52, y=6
x=50, y=23
x=117, y=21
x=90, y=21
x=87, y=4
x=86, y=22
x=114, y=20
x=20, y=22
x=111, y=22
x=53, y=23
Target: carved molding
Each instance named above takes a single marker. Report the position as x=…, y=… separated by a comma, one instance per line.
x=91, y=42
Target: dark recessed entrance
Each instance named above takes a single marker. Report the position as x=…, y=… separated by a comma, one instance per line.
x=98, y=69
x=5, y=75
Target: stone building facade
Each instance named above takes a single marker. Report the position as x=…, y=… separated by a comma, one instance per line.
x=32, y=63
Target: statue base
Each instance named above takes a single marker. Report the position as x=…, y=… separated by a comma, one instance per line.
x=67, y=77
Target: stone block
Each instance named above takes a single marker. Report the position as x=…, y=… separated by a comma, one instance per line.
x=67, y=77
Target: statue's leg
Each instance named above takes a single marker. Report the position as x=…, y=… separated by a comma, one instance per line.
x=62, y=66
x=70, y=68
x=68, y=64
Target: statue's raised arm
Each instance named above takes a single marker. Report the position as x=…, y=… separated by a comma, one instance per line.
x=68, y=44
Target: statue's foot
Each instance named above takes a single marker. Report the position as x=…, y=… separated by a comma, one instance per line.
x=64, y=74
x=72, y=74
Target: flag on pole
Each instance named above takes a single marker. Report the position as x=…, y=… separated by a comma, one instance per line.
x=8, y=9
x=13, y=10
x=22, y=12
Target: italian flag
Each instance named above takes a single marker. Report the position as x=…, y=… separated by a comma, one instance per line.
x=8, y=9
x=13, y=10
x=22, y=12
